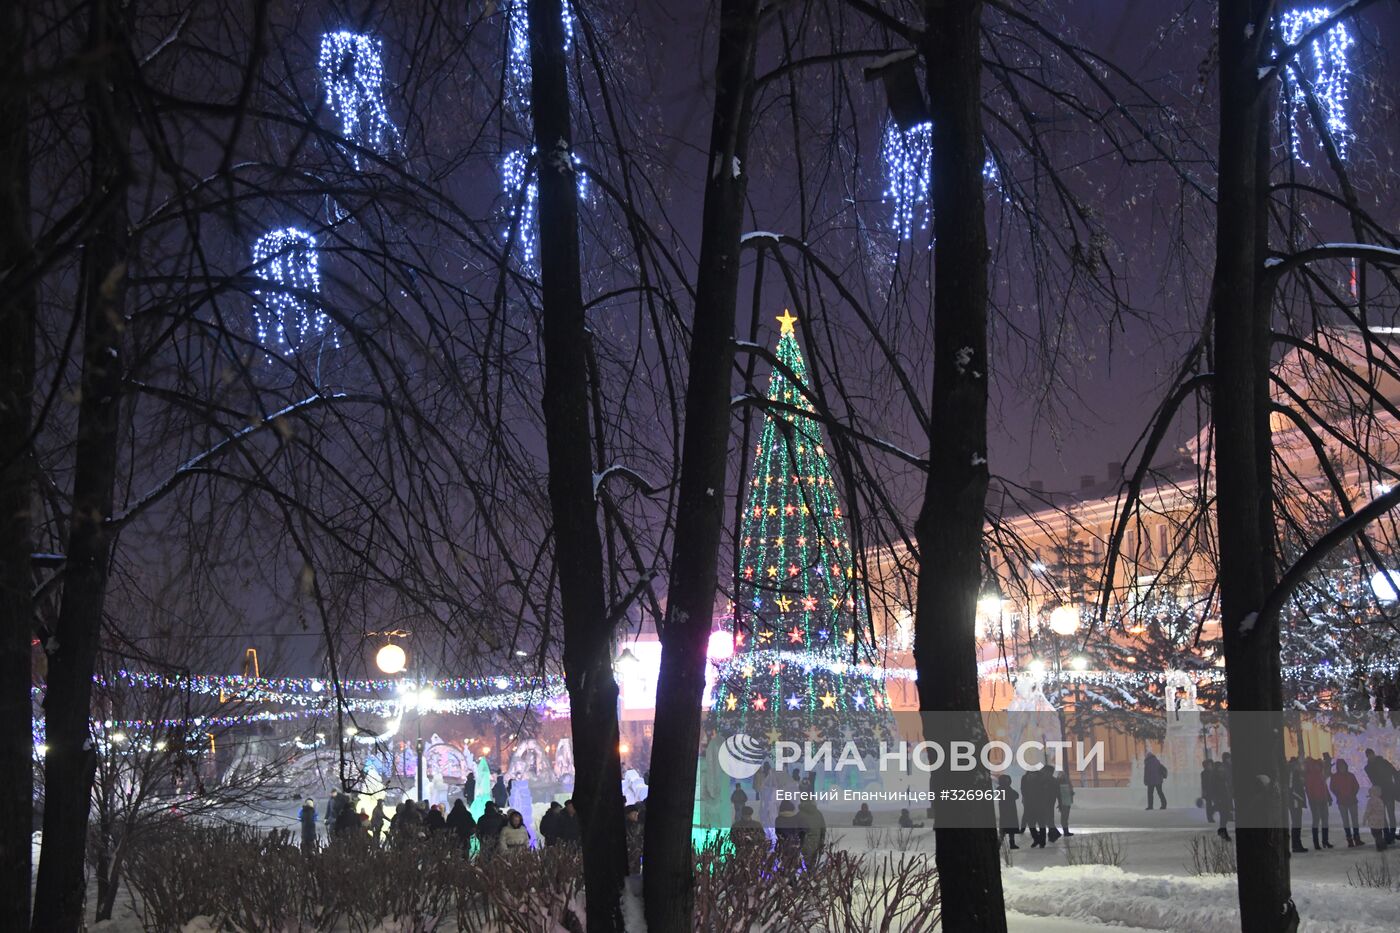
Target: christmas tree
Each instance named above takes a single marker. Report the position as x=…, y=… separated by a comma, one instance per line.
x=800, y=611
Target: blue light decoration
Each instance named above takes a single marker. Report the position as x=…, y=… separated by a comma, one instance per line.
x=517, y=86
x=1325, y=67
x=522, y=190
x=287, y=313
x=907, y=155
x=352, y=71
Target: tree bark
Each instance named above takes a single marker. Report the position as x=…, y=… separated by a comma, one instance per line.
x=17, y=315
x=669, y=859
x=950, y=525
x=58, y=896
x=1244, y=487
x=578, y=551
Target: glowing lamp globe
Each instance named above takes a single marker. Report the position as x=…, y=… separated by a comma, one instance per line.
x=391, y=659
x=721, y=646
x=1383, y=583
x=1064, y=620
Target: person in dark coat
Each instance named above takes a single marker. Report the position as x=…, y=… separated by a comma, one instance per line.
x=566, y=824
x=308, y=827
x=1347, y=790
x=788, y=828
x=907, y=822
x=1208, y=788
x=488, y=828
x=434, y=822
x=1384, y=778
x=500, y=791
x=1154, y=774
x=549, y=824
x=738, y=799
x=1007, y=817
x=376, y=822
x=333, y=805
x=460, y=824
x=747, y=833
x=1225, y=795
x=469, y=788
x=1064, y=794
x=1297, y=800
x=347, y=821
x=863, y=816
x=1038, y=795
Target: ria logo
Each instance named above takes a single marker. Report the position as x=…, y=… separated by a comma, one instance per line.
x=741, y=756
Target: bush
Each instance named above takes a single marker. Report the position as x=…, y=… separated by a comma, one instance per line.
x=1212, y=855
x=1372, y=875
x=1096, y=849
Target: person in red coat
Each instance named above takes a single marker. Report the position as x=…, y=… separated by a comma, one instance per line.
x=1345, y=790
x=1319, y=800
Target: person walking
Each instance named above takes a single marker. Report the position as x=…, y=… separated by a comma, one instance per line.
x=1382, y=775
x=308, y=826
x=1225, y=795
x=1297, y=799
x=1154, y=775
x=1038, y=795
x=433, y=821
x=469, y=787
x=1007, y=816
x=1066, y=800
x=746, y=834
x=514, y=836
x=1346, y=789
x=461, y=825
x=347, y=822
x=1319, y=800
x=376, y=822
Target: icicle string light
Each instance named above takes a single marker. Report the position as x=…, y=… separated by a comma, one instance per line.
x=352, y=72
x=517, y=90
x=1325, y=67
x=522, y=192
x=907, y=155
x=287, y=314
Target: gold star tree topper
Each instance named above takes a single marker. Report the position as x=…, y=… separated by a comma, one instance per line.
x=786, y=320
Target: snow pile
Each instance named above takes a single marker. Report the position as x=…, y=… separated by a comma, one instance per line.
x=1104, y=894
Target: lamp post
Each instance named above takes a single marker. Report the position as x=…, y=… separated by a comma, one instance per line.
x=418, y=699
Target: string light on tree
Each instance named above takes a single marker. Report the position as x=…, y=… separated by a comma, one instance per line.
x=288, y=312
x=907, y=155
x=517, y=83
x=798, y=604
x=521, y=188
x=352, y=72
x=1324, y=67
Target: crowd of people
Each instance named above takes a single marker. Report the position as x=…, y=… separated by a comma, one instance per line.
x=1313, y=787
x=497, y=831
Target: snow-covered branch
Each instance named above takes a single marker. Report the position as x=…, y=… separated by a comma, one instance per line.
x=1370, y=252
x=193, y=465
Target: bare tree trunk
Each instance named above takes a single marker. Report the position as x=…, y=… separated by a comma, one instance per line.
x=17, y=313
x=669, y=858
x=578, y=551
x=58, y=896
x=950, y=524
x=1244, y=505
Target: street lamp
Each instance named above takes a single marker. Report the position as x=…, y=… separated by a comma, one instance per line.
x=391, y=659
x=418, y=700
x=1064, y=620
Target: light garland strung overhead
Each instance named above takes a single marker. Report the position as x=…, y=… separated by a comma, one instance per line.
x=1323, y=66
x=288, y=312
x=352, y=72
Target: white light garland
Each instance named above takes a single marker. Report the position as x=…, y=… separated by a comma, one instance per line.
x=522, y=191
x=288, y=313
x=907, y=156
x=1327, y=70
x=352, y=71
x=518, y=74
